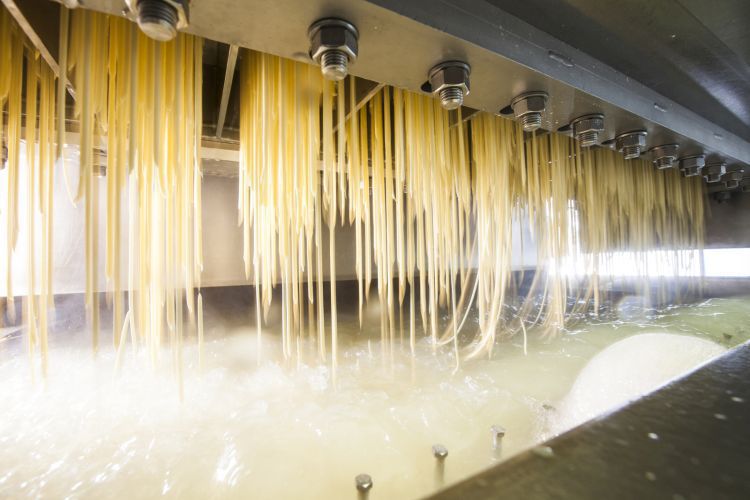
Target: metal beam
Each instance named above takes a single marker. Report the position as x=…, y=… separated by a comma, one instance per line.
x=228, y=77
x=40, y=22
x=366, y=90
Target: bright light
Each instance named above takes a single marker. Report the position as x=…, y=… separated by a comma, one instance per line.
x=717, y=263
x=727, y=262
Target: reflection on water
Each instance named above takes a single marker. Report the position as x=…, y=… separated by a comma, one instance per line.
x=280, y=430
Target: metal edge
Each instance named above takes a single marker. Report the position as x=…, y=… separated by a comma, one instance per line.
x=687, y=439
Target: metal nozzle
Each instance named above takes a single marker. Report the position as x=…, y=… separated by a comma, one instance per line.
x=664, y=156
x=450, y=81
x=160, y=19
x=713, y=171
x=528, y=108
x=692, y=165
x=587, y=128
x=732, y=179
x=334, y=44
x=334, y=64
x=630, y=144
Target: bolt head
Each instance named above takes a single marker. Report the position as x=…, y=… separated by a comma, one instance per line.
x=363, y=482
x=713, y=171
x=450, y=74
x=734, y=176
x=587, y=123
x=328, y=34
x=631, y=139
x=497, y=430
x=691, y=171
x=692, y=162
x=664, y=162
x=529, y=102
x=664, y=155
x=439, y=451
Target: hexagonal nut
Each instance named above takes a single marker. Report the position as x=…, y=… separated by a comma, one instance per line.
x=532, y=102
x=631, y=139
x=691, y=172
x=588, y=123
x=690, y=162
x=333, y=37
x=734, y=176
x=713, y=171
x=664, y=151
x=449, y=75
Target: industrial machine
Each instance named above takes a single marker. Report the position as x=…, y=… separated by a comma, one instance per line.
x=665, y=81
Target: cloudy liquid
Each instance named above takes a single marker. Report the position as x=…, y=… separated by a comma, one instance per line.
x=281, y=430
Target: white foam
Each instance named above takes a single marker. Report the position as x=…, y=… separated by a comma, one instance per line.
x=627, y=369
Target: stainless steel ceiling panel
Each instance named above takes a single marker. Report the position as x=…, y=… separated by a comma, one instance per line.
x=400, y=40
